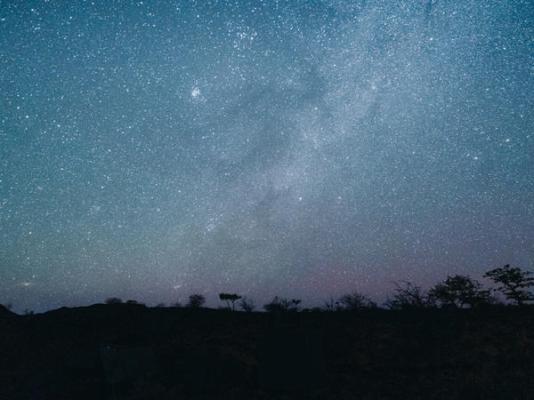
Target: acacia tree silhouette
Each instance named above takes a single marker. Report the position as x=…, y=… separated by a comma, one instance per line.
x=513, y=282
x=230, y=299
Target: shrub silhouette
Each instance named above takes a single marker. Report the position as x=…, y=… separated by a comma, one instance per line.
x=230, y=299
x=281, y=304
x=196, y=301
x=354, y=301
x=331, y=304
x=247, y=304
x=459, y=291
x=513, y=282
x=409, y=296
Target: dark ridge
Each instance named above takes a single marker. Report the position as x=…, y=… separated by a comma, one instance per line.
x=129, y=351
x=6, y=312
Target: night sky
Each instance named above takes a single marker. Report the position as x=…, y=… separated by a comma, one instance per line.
x=151, y=150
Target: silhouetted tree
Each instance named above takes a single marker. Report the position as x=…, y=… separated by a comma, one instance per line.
x=280, y=304
x=407, y=296
x=513, y=282
x=354, y=301
x=230, y=299
x=113, y=300
x=459, y=291
x=331, y=304
x=196, y=301
x=247, y=304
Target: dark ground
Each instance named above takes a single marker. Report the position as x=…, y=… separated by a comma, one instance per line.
x=125, y=351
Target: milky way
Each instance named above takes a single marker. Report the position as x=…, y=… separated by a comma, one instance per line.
x=150, y=150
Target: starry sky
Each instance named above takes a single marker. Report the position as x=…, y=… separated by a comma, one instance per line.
x=151, y=150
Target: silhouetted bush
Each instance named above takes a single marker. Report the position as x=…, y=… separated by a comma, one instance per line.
x=280, y=304
x=354, y=301
x=331, y=304
x=113, y=300
x=513, y=282
x=247, y=304
x=196, y=301
x=460, y=291
x=409, y=296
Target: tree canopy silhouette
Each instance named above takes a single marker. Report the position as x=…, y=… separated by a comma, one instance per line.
x=407, y=296
x=230, y=299
x=459, y=291
x=196, y=301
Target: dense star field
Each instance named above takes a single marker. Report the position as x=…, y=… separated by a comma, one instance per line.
x=150, y=150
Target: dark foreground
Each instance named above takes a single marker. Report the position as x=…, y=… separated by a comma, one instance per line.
x=127, y=351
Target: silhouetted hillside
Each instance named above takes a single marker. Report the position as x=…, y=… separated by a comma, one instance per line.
x=6, y=312
x=128, y=351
